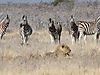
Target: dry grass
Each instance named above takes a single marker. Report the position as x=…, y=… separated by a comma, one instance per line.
x=28, y=60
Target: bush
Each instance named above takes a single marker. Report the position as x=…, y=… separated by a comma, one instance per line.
x=56, y=2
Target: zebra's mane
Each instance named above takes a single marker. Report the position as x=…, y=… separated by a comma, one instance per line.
x=3, y=20
x=97, y=20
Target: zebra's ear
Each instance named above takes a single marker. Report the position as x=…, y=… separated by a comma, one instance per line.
x=20, y=25
x=71, y=16
x=7, y=16
x=52, y=22
x=49, y=19
x=23, y=16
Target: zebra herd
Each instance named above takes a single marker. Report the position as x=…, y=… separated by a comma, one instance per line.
x=25, y=28
x=79, y=29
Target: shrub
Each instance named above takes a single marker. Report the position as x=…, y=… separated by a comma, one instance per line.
x=56, y=2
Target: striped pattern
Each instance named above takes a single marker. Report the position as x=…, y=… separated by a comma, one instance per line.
x=74, y=30
x=98, y=27
x=55, y=30
x=25, y=30
x=88, y=28
x=4, y=25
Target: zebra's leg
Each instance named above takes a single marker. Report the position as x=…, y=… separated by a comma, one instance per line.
x=23, y=37
x=85, y=39
x=73, y=39
x=2, y=34
x=56, y=38
x=97, y=37
x=59, y=37
x=75, y=34
x=52, y=38
x=80, y=36
x=26, y=39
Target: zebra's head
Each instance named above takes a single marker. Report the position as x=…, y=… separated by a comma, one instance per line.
x=72, y=21
x=59, y=23
x=72, y=18
x=52, y=23
x=7, y=19
x=50, y=20
x=23, y=21
x=73, y=24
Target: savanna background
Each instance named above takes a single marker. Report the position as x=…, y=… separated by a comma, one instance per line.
x=26, y=60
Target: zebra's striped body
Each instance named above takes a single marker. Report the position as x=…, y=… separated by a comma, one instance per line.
x=88, y=28
x=25, y=30
x=55, y=31
x=3, y=26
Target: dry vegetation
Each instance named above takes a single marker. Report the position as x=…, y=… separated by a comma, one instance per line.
x=30, y=59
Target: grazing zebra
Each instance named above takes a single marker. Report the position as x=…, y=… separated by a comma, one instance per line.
x=25, y=30
x=3, y=25
x=87, y=28
x=55, y=30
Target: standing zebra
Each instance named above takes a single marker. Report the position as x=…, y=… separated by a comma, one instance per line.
x=3, y=25
x=25, y=30
x=55, y=31
x=98, y=28
x=73, y=30
x=88, y=28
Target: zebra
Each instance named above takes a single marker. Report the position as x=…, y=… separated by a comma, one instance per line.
x=73, y=30
x=98, y=28
x=55, y=30
x=85, y=28
x=25, y=30
x=4, y=25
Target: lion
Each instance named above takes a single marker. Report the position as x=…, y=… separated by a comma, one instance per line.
x=61, y=49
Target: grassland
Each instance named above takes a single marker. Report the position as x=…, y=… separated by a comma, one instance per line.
x=30, y=59
x=25, y=60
